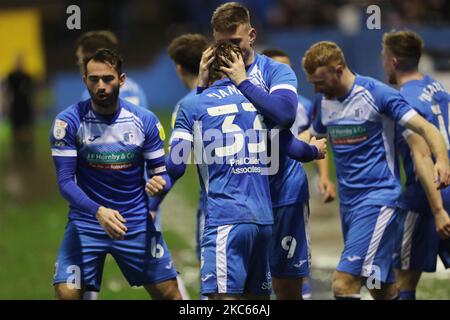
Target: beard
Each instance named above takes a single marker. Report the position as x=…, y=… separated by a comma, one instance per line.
x=106, y=100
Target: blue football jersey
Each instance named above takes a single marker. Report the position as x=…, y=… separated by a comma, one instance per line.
x=361, y=130
x=130, y=91
x=221, y=123
x=289, y=184
x=429, y=98
x=111, y=154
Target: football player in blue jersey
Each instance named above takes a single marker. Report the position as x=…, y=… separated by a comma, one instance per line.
x=222, y=125
x=87, y=44
x=186, y=52
x=272, y=88
x=359, y=115
x=425, y=220
x=301, y=125
x=101, y=147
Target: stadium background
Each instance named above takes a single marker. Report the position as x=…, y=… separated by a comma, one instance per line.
x=33, y=214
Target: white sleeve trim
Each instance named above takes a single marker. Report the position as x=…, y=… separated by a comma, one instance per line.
x=154, y=154
x=64, y=152
x=157, y=170
x=407, y=116
x=406, y=133
x=182, y=135
x=283, y=86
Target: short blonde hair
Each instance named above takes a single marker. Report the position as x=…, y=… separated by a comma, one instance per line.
x=322, y=54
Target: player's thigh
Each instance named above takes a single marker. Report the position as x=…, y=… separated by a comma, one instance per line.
x=165, y=290
x=371, y=242
x=290, y=244
x=81, y=258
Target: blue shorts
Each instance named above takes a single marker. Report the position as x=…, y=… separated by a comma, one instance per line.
x=143, y=258
x=371, y=240
x=444, y=245
x=235, y=259
x=200, y=229
x=290, y=251
x=421, y=243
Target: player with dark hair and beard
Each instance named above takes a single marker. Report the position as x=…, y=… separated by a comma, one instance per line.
x=101, y=147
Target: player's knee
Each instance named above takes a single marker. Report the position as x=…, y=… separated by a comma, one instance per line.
x=63, y=292
x=387, y=292
x=287, y=289
x=344, y=285
x=407, y=279
x=167, y=290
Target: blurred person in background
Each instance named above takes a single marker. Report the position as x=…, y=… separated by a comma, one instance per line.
x=19, y=90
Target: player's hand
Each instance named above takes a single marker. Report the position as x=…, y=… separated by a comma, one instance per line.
x=321, y=146
x=327, y=189
x=442, y=174
x=155, y=185
x=235, y=69
x=113, y=223
x=205, y=62
x=442, y=221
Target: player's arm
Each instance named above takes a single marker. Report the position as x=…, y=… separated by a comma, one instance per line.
x=111, y=220
x=175, y=164
x=326, y=187
x=396, y=107
x=159, y=181
x=424, y=168
x=279, y=105
x=298, y=149
x=64, y=155
x=437, y=145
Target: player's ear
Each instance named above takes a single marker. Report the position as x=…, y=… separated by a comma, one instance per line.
x=122, y=79
x=394, y=62
x=252, y=35
x=339, y=70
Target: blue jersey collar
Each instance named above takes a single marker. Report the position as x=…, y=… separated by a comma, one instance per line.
x=108, y=119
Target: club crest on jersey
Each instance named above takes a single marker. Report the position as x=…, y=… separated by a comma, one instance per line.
x=59, y=129
x=162, y=134
x=128, y=137
x=359, y=114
